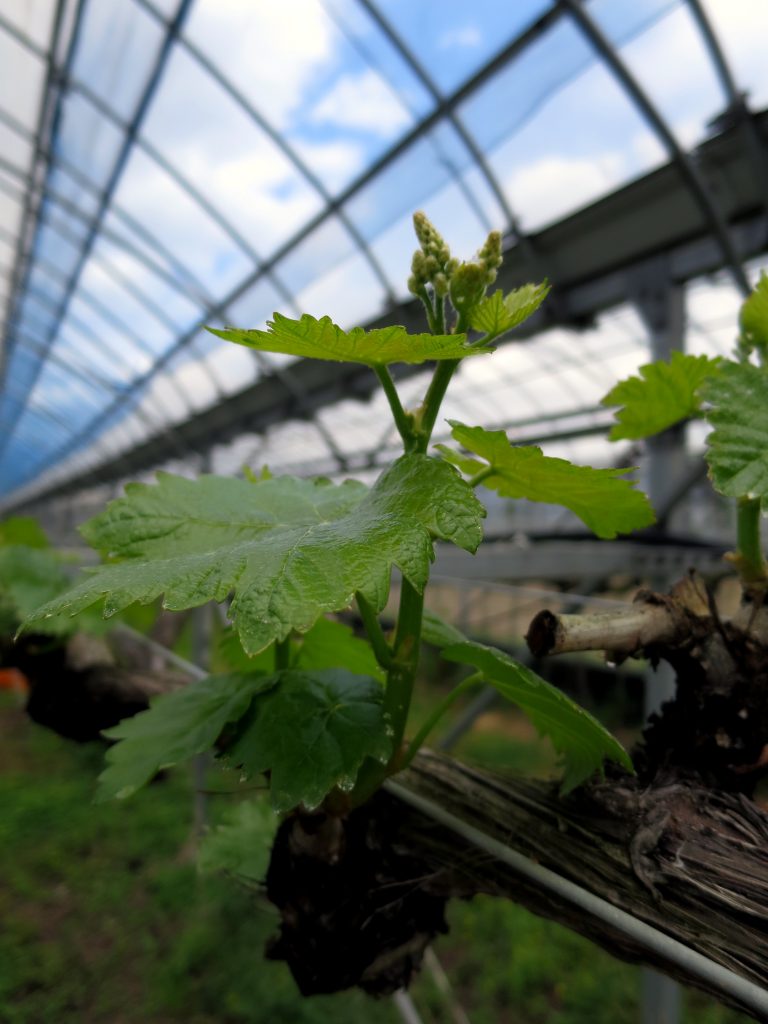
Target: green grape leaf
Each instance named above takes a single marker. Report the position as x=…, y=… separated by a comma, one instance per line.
x=436, y=631
x=23, y=530
x=179, y=516
x=177, y=726
x=663, y=394
x=289, y=549
x=30, y=576
x=601, y=498
x=323, y=339
x=312, y=732
x=228, y=655
x=499, y=313
x=737, y=451
x=328, y=644
x=753, y=321
x=579, y=738
x=241, y=846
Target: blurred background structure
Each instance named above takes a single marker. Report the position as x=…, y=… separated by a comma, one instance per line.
x=166, y=165
x=171, y=164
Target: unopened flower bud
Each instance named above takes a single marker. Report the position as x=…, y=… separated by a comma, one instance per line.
x=432, y=264
x=490, y=257
x=467, y=286
x=440, y=284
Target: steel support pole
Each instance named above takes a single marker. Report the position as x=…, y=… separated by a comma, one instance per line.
x=660, y=302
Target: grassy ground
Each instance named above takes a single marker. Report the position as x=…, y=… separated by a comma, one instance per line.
x=106, y=921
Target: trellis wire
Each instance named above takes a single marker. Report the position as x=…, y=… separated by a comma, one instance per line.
x=695, y=964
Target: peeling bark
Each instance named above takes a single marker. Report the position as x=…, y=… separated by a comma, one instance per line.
x=716, y=729
x=681, y=846
x=691, y=862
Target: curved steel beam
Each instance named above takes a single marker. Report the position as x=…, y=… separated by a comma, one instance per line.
x=120, y=162
x=46, y=118
x=686, y=167
x=282, y=144
x=448, y=104
x=737, y=104
x=410, y=58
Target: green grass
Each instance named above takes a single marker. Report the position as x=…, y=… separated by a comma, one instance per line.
x=105, y=919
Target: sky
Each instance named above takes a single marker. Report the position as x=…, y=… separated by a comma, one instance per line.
x=331, y=95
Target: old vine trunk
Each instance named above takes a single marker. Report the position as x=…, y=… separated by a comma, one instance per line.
x=682, y=846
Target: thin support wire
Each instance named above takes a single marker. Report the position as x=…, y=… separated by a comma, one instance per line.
x=696, y=964
x=406, y=1007
x=444, y=987
x=693, y=963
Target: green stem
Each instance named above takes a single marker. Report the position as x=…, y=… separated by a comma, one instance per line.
x=418, y=740
x=483, y=474
x=436, y=393
x=403, y=421
x=381, y=648
x=433, y=400
x=405, y=661
x=282, y=654
x=438, y=321
x=750, y=553
x=429, y=309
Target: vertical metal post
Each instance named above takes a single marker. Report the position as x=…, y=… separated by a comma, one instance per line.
x=660, y=303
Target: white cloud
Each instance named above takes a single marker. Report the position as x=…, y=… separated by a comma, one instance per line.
x=671, y=62
x=466, y=37
x=362, y=101
x=255, y=194
x=348, y=293
x=271, y=50
x=555, y=185
x=742, y=27
x=335, y=163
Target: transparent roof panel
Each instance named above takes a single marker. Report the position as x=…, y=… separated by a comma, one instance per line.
x=661, y=56
x=15, y=148
x=566, y=120
x=465, y=36
x=167, y=304
x=740, y=28
x=190, y=233
x=33, y=19
x=341, y=100
x=348, y=292
x=145, y=246
x=88, y=140
x=256, y=306
x=22, y=65
x=228, y=157
x=264, y=157
x=116, y=52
